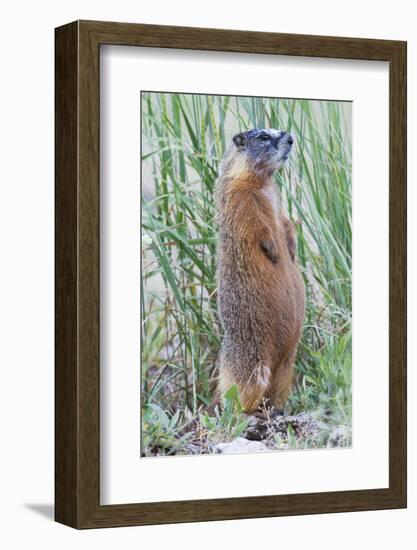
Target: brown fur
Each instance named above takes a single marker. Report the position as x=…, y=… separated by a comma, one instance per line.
x=260, y=289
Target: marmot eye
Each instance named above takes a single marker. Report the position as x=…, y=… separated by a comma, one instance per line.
x=264, y=137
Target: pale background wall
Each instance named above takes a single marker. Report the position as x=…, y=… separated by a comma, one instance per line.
x=26, y=272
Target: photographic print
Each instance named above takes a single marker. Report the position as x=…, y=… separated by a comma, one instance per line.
x=246, y=287
x=204, y=268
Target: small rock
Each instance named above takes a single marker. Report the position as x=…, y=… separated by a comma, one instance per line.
x=257, y=429
x=240, y=445
x=265, y=428
x=338, y=437
x=193, y=449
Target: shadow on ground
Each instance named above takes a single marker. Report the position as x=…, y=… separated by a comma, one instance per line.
x=45, y=510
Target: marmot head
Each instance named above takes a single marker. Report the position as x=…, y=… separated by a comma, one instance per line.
x=264, y=150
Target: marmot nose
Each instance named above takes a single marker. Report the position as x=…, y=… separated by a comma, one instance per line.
x=290, y=139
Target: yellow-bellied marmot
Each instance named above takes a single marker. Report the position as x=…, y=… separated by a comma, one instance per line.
x=260, y=288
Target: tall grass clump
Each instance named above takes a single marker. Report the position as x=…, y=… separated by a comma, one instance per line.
x=183, y=140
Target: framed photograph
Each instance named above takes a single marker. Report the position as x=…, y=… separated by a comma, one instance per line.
x=230, y=274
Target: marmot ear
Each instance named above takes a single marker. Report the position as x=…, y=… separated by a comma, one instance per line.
x=239, y=140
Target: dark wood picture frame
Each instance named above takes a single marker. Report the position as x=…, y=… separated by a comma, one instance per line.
x=77, y=373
